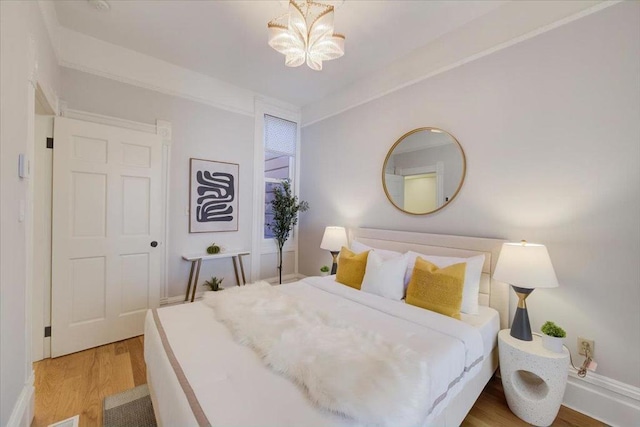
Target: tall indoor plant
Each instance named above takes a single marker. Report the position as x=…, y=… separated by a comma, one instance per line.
x=285, y=207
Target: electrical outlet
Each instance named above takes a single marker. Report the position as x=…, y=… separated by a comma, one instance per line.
x=582, y=342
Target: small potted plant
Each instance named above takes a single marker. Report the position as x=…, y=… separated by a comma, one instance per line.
x=213, y=249
x=214, y=284
x=553, y=337
x=324, y=270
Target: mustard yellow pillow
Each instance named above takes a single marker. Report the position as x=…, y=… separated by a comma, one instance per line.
x=435, y=289
x=351, y=267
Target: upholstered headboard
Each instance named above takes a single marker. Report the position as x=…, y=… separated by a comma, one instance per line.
x=492, y=293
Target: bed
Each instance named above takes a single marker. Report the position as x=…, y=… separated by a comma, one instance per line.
x=199, y=375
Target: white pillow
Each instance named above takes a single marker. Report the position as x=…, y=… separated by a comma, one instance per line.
x=385, y=277
x=472, y=274
x=358, y=247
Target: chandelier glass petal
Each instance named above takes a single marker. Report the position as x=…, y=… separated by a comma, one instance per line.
x=306, y=34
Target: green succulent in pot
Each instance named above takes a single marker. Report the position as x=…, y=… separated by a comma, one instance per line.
x=214, y=284
x=553, y=330
x=553, y=337
x=213, y=249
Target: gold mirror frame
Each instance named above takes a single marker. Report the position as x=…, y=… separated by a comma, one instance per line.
x=402, y=138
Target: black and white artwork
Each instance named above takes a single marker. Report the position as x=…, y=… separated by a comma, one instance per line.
x=213, y=202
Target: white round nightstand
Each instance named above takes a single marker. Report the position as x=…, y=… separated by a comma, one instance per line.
x=533, y=378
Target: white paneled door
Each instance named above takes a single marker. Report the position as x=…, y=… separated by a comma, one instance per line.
x=106, y=231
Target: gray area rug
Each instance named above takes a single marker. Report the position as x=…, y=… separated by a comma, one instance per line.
x=131, y=408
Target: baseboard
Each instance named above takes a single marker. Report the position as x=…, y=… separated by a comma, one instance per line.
x=175, y=300
x=285, y=279
x=605, y=399
x=273, y=280
x=22, y=413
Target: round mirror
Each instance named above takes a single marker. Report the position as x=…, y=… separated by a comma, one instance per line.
x=424, y=170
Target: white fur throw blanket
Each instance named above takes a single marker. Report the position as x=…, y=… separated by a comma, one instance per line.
x=343, y=369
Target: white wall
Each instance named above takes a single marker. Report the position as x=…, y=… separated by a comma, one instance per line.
x=23, y=38
x=551, y=130
x=198, y=131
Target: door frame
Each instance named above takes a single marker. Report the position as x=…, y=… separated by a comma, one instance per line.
x=41, y=298
x=39, y=94
x=41, y=98
x=162, y=128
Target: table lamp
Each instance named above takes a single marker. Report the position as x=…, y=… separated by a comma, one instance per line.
x=525, y=266
x=333, y=240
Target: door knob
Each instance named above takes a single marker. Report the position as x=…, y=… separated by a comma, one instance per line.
x=154, y=244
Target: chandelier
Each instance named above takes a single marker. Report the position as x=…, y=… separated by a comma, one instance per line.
x=305, y=33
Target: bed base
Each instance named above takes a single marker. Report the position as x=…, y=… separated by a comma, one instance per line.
x=461, y=404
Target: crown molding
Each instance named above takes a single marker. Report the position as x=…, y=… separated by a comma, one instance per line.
x=511, y=24
x=468, y=43
x=90, y=55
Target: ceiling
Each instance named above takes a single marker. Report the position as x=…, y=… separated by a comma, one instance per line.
x=227, y=40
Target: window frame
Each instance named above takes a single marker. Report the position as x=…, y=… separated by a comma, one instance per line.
x=260, y=244
x=292, y=167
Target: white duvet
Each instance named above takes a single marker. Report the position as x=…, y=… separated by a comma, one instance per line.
x=341, y=368
x=234, y=388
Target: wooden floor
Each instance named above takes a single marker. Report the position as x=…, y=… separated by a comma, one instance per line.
x=77, y=384
x=491, y=410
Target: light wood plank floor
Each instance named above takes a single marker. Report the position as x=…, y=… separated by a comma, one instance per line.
x=491, y=410
x=78, y=383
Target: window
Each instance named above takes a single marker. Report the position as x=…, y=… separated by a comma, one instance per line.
x=280, y=138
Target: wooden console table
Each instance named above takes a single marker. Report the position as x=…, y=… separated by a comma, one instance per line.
x=196, y=262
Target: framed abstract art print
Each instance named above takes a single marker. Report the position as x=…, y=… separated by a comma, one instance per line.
x=213, y=196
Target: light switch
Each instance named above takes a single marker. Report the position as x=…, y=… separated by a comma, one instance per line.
x=23, y=166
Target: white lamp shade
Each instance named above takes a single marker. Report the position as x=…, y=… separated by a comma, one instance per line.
x=525, y=265
x=334, y=239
